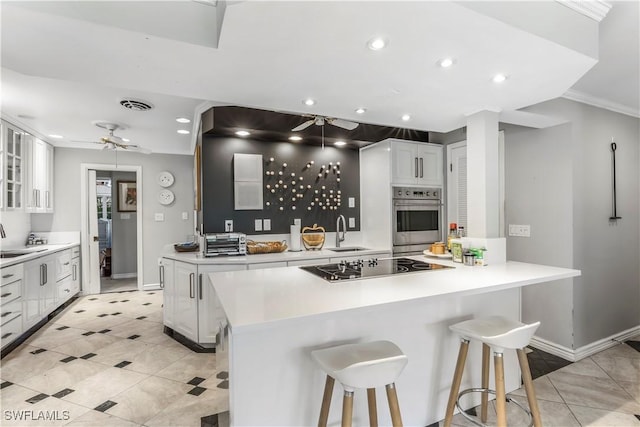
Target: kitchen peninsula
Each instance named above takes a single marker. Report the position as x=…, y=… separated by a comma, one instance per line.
x=278, y=316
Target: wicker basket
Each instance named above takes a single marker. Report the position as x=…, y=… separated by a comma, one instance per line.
x=313, y=237
x=265, y=247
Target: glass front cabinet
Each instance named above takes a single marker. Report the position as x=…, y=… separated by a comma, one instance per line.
x=11, y=170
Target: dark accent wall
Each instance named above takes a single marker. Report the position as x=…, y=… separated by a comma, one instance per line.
x=217, y=185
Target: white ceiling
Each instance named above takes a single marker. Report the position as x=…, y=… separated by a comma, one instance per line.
x=61, y=73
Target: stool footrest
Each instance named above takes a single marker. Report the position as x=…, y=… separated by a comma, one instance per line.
x=493, y=392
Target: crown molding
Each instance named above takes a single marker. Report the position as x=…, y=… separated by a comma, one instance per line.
x=594, y=9
x=574, y=95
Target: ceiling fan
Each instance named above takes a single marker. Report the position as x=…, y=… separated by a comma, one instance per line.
x=113, y=142
x=322, y=120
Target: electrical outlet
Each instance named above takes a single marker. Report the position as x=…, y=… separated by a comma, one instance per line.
x=266, y=224
x=352, y=223
x=228, y=225
x=258, y=225
x=159, y=217
x=352, y=202
x=298, y=222
x=517, y=230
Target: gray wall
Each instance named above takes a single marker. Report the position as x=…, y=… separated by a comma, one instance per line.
x=559, y=181
x=155, y=234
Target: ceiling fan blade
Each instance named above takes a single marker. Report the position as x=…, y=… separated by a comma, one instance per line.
x=303, y=125
x=345, y=124
x=136, y=148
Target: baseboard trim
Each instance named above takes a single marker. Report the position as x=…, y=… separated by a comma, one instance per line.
x=124, y=276
x=151, y=287
x=587, y=350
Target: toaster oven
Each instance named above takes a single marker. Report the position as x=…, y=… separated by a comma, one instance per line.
x=225, y=244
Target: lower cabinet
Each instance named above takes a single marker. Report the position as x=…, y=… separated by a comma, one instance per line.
x=39, y=297
x=186, y=300
x=211, y=317
x=11, y=303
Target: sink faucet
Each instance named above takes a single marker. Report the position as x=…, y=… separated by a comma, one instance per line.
x=2, y=233
x=344, y=230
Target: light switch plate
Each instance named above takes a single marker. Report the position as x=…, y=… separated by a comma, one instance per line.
x=158, y=216
x=352, y=202
x=185, y=215
x=352, y=223
x=125, y=216
x=228, y=225
x=266, y=224
x=258, y=225
x=517, y=230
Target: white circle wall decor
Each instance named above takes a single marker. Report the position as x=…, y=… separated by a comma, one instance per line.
x=166, y=179
x=166, y=197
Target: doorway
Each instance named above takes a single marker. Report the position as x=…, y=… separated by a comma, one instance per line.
x=112, y=228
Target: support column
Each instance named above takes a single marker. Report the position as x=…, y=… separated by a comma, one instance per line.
x=483, y=180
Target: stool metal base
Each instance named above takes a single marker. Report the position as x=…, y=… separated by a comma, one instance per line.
x=493, y=392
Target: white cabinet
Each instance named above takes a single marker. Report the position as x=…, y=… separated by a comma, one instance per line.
x=64, y=277
x=211, y=317
x=75, y=270
x=11, y=303
x=39, y=296
x=12, y=147
x=416, y=163
x=191, y=307
x=39, y=180
x=186, y=302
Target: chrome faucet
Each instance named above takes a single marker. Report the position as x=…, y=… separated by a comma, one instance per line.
x=344, y=230
x=2, y=233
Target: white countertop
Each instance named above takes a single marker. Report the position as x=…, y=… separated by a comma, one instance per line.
x=255, y=299
x=198, y=258
x=34, y=251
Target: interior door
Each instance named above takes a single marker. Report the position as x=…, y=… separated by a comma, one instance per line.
x=93, y=286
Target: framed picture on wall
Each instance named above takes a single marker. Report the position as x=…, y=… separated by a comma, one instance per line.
x=127, y=196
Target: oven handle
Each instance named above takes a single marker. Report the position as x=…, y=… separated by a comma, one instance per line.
x=417, y=203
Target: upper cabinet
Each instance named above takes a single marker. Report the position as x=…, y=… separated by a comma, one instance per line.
x=26, y=171
x=12, y=147
x=39, y=182
x=416, y=163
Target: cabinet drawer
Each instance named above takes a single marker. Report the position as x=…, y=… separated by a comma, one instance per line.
x=13, y=273
x=75, y=252
x=63, y=265
x=65, y=289
x=10, y=311
x=10, y=292
x=11, y=330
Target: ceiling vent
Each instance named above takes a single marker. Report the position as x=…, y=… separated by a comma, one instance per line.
x=136, y=104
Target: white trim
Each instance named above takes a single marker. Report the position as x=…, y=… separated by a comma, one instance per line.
x=152, y=287
x=124, y=276
x=84, y=236
x=577, y=96
x=197, y=118
x=594, y=9
x=584, y=351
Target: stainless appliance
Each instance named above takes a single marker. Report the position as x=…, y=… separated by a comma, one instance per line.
x=416, y=219
x=225, y=244
x=366, y=269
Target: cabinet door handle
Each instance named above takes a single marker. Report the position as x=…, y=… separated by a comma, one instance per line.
x=192, y=278
x=421, y=167
x=6, y=276
x=416, y=168
x=221, y=335
x=67, y=263
x=7, y=335
x=47, y=198
x=41, y=274
x=200, y=285
x=74, y=272
x=161, y=274
x=34, y=202
x=5, y=295
x=46, y=273
x=38, y=199
x=6, y=313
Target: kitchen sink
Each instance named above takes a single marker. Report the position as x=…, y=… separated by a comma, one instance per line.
x=14, y=254
x=348, y=249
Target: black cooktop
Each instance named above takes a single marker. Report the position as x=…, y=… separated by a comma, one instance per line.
x=363, y=269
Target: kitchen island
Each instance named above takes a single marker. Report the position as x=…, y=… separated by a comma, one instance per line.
x=278, y=316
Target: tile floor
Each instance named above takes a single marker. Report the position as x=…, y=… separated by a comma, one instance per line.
x=107, y=284
x=104, y=361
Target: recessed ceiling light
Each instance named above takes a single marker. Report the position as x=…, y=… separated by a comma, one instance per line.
x=339, y=143
x=295, y=138
x=183, y=132
x=309, y=102
x=183, y=120
x=499, y=78
x=446, y=62
x=406, y=117
x=55, y=136
x=243, y=133
x=361, y=110
x=377, y=43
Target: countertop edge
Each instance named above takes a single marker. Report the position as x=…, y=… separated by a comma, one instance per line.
x=48, y=250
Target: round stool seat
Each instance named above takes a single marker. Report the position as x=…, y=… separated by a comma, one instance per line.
x=497, y=331
x=362, y=365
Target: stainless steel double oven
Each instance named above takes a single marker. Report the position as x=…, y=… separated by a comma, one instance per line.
x=417, y=219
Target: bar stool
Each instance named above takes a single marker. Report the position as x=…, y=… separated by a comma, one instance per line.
x=498, y=333
x=364, y=366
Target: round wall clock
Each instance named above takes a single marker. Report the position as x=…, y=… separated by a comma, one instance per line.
x=166, y=197
x=166, y=179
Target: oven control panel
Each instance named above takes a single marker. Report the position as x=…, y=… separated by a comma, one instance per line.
x=416, y=193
